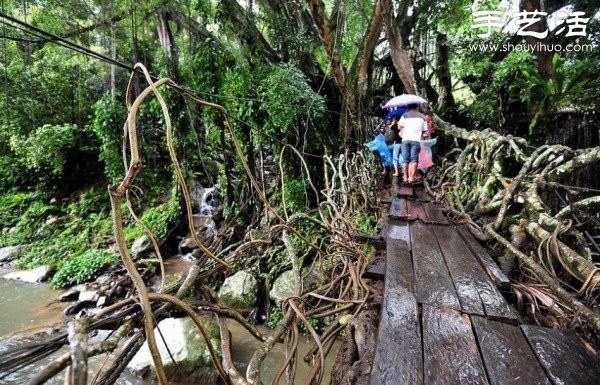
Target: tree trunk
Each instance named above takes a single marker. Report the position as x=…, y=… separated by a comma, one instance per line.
x=543, y=59
x=400, y=57
x=368, y=48
x=167, y=42
x=445, y=98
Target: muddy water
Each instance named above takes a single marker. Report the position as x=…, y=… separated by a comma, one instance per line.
x=27, y=307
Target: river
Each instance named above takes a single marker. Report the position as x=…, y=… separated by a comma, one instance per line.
x=29, y=307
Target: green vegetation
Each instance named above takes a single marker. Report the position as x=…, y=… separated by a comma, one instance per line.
x=281, y=81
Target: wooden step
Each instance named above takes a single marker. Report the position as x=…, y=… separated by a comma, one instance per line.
x=434, y=284
x=507, y=356
x=495, y=273
x=398, y=358
x=450, y=352
x=476, y=292
x=563, y=356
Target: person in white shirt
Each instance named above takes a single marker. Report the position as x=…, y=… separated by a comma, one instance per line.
x=413, y=127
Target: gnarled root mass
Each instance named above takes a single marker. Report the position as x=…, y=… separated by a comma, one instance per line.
x=301, y=241
x=502, y=188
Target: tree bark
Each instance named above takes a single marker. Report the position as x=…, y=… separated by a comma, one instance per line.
x=400, y=57
x=369, y=45
x=543, y=58
x=319, y=16
x=445, y=98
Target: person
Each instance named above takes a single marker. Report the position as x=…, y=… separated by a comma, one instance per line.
x=391, y=134
x=413, y=128
x=397, y=143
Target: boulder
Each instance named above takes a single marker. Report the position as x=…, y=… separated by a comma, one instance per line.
x=69, y=296
x=10, y=252
x=187, y=346
x=283, y=287
x=140, y=246
x=239, y=291
x=89, y=295
x=39, y=274
x=313, y=276
x=206, y=230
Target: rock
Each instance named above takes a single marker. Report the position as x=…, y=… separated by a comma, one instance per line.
x=283, y=287
x=239, y=291
x=140, y=246
x=69, y=296
x=186, y=245
x=104, y=280
x=39, y=274
x=187, y=346
x=312, y=277
x=77, y=307
x=103, y=301
x=200, y=220
x=206, y=232
x=10, y=252
x=91, y=295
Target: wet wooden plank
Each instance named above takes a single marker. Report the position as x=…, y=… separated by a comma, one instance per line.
x=421, y=194
x=463, y=269
x=416, y=211
x=507, y=356
x=434, y=285
x=399, y=266
x=376, y=241
x=434, y=212
x=398, y=358
x=563, y=355
x=451, y=355
x=398, y=230
x=499, y=278
x=396, y=207
x=374, y=272
x=406, y=192
x=477, y=293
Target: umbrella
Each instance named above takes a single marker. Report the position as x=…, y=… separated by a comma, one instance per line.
x=404, y=100
x=394, y=112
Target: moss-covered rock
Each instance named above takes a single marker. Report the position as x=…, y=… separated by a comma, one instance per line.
x=239, y=291
x=186, y=345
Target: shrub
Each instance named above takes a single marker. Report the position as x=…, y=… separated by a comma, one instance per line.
x=82, y=267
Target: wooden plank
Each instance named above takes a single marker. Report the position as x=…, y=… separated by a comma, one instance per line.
x=563, y=356
x=463, y=269
x=421, y=194
x=477, y=293
x=399, y=230
x=396, y=207
x=499, y=278
x=406, y=192
x=399, y=267
x=398, y=358
x=451, y=355
x=377, y=241
x=434, y=285
x=416, y=211
x=507, y=356
x=434, y=212
x=374, y=272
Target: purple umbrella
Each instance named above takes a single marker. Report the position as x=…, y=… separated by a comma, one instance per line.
x=404, y=100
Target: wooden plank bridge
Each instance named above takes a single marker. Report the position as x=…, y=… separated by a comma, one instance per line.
x=444, y=319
